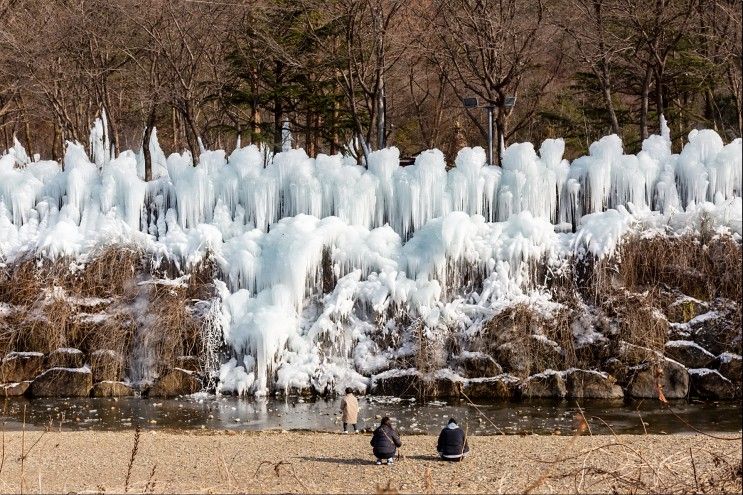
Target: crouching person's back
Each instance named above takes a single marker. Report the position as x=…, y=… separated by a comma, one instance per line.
x=385, y=442
x=452, y=444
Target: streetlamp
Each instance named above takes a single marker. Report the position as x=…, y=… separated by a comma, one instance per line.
x=471, y=102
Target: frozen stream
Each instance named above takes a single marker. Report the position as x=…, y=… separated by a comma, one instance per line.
x=208, y=412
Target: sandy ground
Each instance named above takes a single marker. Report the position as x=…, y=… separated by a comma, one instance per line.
x=333, y=463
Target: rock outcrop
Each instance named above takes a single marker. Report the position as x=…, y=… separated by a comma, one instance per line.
x=710, y=384
x=400, y=383
x=63, y=382
x=112, y=389
x=476, y=365
x=14, y=389
x=502, y=387
x=586, y=384
x=688, y=353
x=65, y=357
x=107, y=365
x=671, y=376
x=21, y=366
x=174, y=383
x=549, y=384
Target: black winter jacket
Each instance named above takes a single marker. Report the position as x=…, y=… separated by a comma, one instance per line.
x=452, y=443
x=385, y=442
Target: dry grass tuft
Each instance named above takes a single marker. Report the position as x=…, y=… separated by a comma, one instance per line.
x=108, y=303
x=525, y=341
x=701, y=266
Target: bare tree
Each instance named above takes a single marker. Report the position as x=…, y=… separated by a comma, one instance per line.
x=597, y=46
x=488, y=50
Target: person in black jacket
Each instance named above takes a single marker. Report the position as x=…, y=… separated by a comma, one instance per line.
x=452, y=444
x=385, y=441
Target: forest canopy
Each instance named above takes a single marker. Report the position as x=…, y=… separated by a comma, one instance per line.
x=356, y=75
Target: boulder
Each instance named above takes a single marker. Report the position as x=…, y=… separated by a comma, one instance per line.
x=688, y=353
x=65, y=357
x=476, y=365
x=63, y=382
x=522, y=359
x=442, y=384
x=585, y=384
x=188, y=363
x=644, y=380
x=617, y=369
x=710, y=384
x=21, y=366
x=112, y=389
x=549, y=384
x=684, y=309
x=175, y=382
x=679, y=331
x=502, y=387
x=729, y=365
x=593, y=353
x=107, y=365
x=717, y=331
x=634, y=355
x=14, y=389
x=399, y=383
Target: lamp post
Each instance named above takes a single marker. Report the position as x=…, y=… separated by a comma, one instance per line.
x=471, y=102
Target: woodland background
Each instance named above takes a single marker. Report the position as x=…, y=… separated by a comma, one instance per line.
x=357, y=75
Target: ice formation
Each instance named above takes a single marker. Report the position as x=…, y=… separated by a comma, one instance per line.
x=316, y=256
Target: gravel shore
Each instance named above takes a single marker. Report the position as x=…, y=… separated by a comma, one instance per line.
x=274, y=462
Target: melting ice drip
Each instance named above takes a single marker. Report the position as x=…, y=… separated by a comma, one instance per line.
x=444, y=247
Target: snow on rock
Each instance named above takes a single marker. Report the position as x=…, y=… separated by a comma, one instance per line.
x=318, y=255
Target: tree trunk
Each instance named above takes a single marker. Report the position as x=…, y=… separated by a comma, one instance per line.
x=146, y=144
x=335, y=143
x=54, y=143
x=308, y=132
x=644, y=102
x=278, y=112
x=659, y=94
x=174, y=123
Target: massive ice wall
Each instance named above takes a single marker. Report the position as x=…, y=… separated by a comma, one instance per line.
x=443, y=246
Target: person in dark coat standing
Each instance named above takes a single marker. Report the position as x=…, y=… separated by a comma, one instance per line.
x=385, y=441
x=452, y=444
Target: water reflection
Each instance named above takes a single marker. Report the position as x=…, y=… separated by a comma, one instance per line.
x=411, y=417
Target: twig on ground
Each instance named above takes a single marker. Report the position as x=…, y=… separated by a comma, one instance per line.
x=133, y=455
x=150, y=486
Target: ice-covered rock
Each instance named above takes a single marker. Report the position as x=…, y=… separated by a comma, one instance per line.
x=318, y=258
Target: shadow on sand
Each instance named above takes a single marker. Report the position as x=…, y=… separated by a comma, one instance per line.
x=340, y=460
x=370, y=460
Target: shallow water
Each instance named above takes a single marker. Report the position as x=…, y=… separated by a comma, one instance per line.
x=410, y=417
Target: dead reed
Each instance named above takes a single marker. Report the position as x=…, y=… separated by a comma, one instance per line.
x=102, y=304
